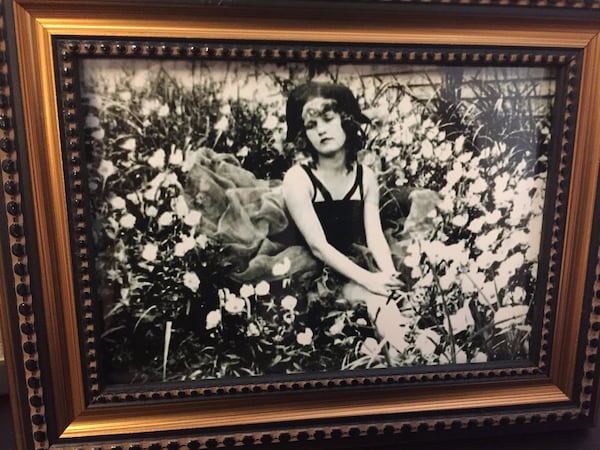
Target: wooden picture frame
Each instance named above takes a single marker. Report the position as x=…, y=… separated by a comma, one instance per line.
x=51, y=312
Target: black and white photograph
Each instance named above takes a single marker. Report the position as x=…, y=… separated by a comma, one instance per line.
x=253, y=219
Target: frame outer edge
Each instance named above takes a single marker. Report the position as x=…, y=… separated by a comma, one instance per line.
x=18, y=392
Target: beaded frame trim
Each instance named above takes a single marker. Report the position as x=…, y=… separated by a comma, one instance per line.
x=70, y=50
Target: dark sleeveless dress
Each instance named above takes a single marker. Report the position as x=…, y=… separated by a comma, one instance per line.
x=342, y=220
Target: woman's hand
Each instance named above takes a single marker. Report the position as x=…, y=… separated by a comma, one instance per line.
x=382, y=283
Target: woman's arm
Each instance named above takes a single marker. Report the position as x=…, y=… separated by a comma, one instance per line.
x=297, y=194
x=375, y=238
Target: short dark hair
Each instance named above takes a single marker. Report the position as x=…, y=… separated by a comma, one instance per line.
x=345, y=104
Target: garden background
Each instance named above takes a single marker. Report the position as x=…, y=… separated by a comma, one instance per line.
x=168, y=280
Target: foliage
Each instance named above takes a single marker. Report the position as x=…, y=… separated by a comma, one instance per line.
x=172, y=310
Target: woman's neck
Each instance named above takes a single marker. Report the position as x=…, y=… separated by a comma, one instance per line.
x=333, y=163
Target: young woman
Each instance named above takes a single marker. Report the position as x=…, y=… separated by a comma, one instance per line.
x=334, y=201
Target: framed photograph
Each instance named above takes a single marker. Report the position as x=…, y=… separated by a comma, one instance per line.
x=255, y=225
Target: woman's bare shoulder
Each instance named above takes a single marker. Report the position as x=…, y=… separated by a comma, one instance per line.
x=296, y=174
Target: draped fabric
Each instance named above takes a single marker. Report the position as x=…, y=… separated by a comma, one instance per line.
x=244, y=213
x=248, y=217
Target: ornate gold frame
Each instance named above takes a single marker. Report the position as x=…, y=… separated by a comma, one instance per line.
x=54, y=386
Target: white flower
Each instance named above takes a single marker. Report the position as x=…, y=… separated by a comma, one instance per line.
x=98, y=134
x=247, y=290
x=165, y=219
x=508, y=268
x=149, y=106
x=192, y=218
x=252, y=330
x=460, y=220
x=270, y=122
x=361, y=322
x=191, y=281
x=478, y=186
x=187, y=244
x=163, y=111
x=176, y=158
x=243, y=152
x=222, y=124
x=225, y=110
x=92, y=121
x=202, y=240
x=151, y=211
x=234, y=304
x=426, y=149
x=288, y=302
x=305, y=337
x=125, y=96
x=157, y=160
x=370, y=347
x=458, y=144
x=283, y=267
x=427, y=340
x=180, y=207
x=133, y=198
x=461, y=320
x=106, y=168
x=510, y=315
x=262, y=288
x=127, y=221
x=117, y=202
x=479, y=358
x=213, y=319
x=337, y=327
x=149, y=252
x=129, y=144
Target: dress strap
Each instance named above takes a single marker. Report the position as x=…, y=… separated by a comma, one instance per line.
x=358, y=184
x=317, y=185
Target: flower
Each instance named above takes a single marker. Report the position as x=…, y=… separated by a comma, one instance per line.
x=361, y=322
x=192, y=218
x=510, y=315
x=461, y=320
x=163, y=111
x=180, y=207
x=157, y=160
x=270, y=122
x=460, y=220
x=92, y=121
x=427, y=341
x=262, y=288
x=151, y=211
x=213, y=319
x=222, y=124
x=165, y=219
x=129, y=144
x=370, y=347
x=202, y=240
x=149, y=252
x=186, y=244
x=191, y=281
x=252, y=330
x=117, y=202
x=234, y=304
x=243, y=152
x=127, y=221
x=247, y=290
x=305, y=337
x=106, y=168
x=337, y=327
x=149, y=106
x=98, y=134
x=125, y=96
x=288, y=302
x=133, y=198
x=176, y=158
x=283, y=267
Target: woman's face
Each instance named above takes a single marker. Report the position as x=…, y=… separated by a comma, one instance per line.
x=323, y=126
